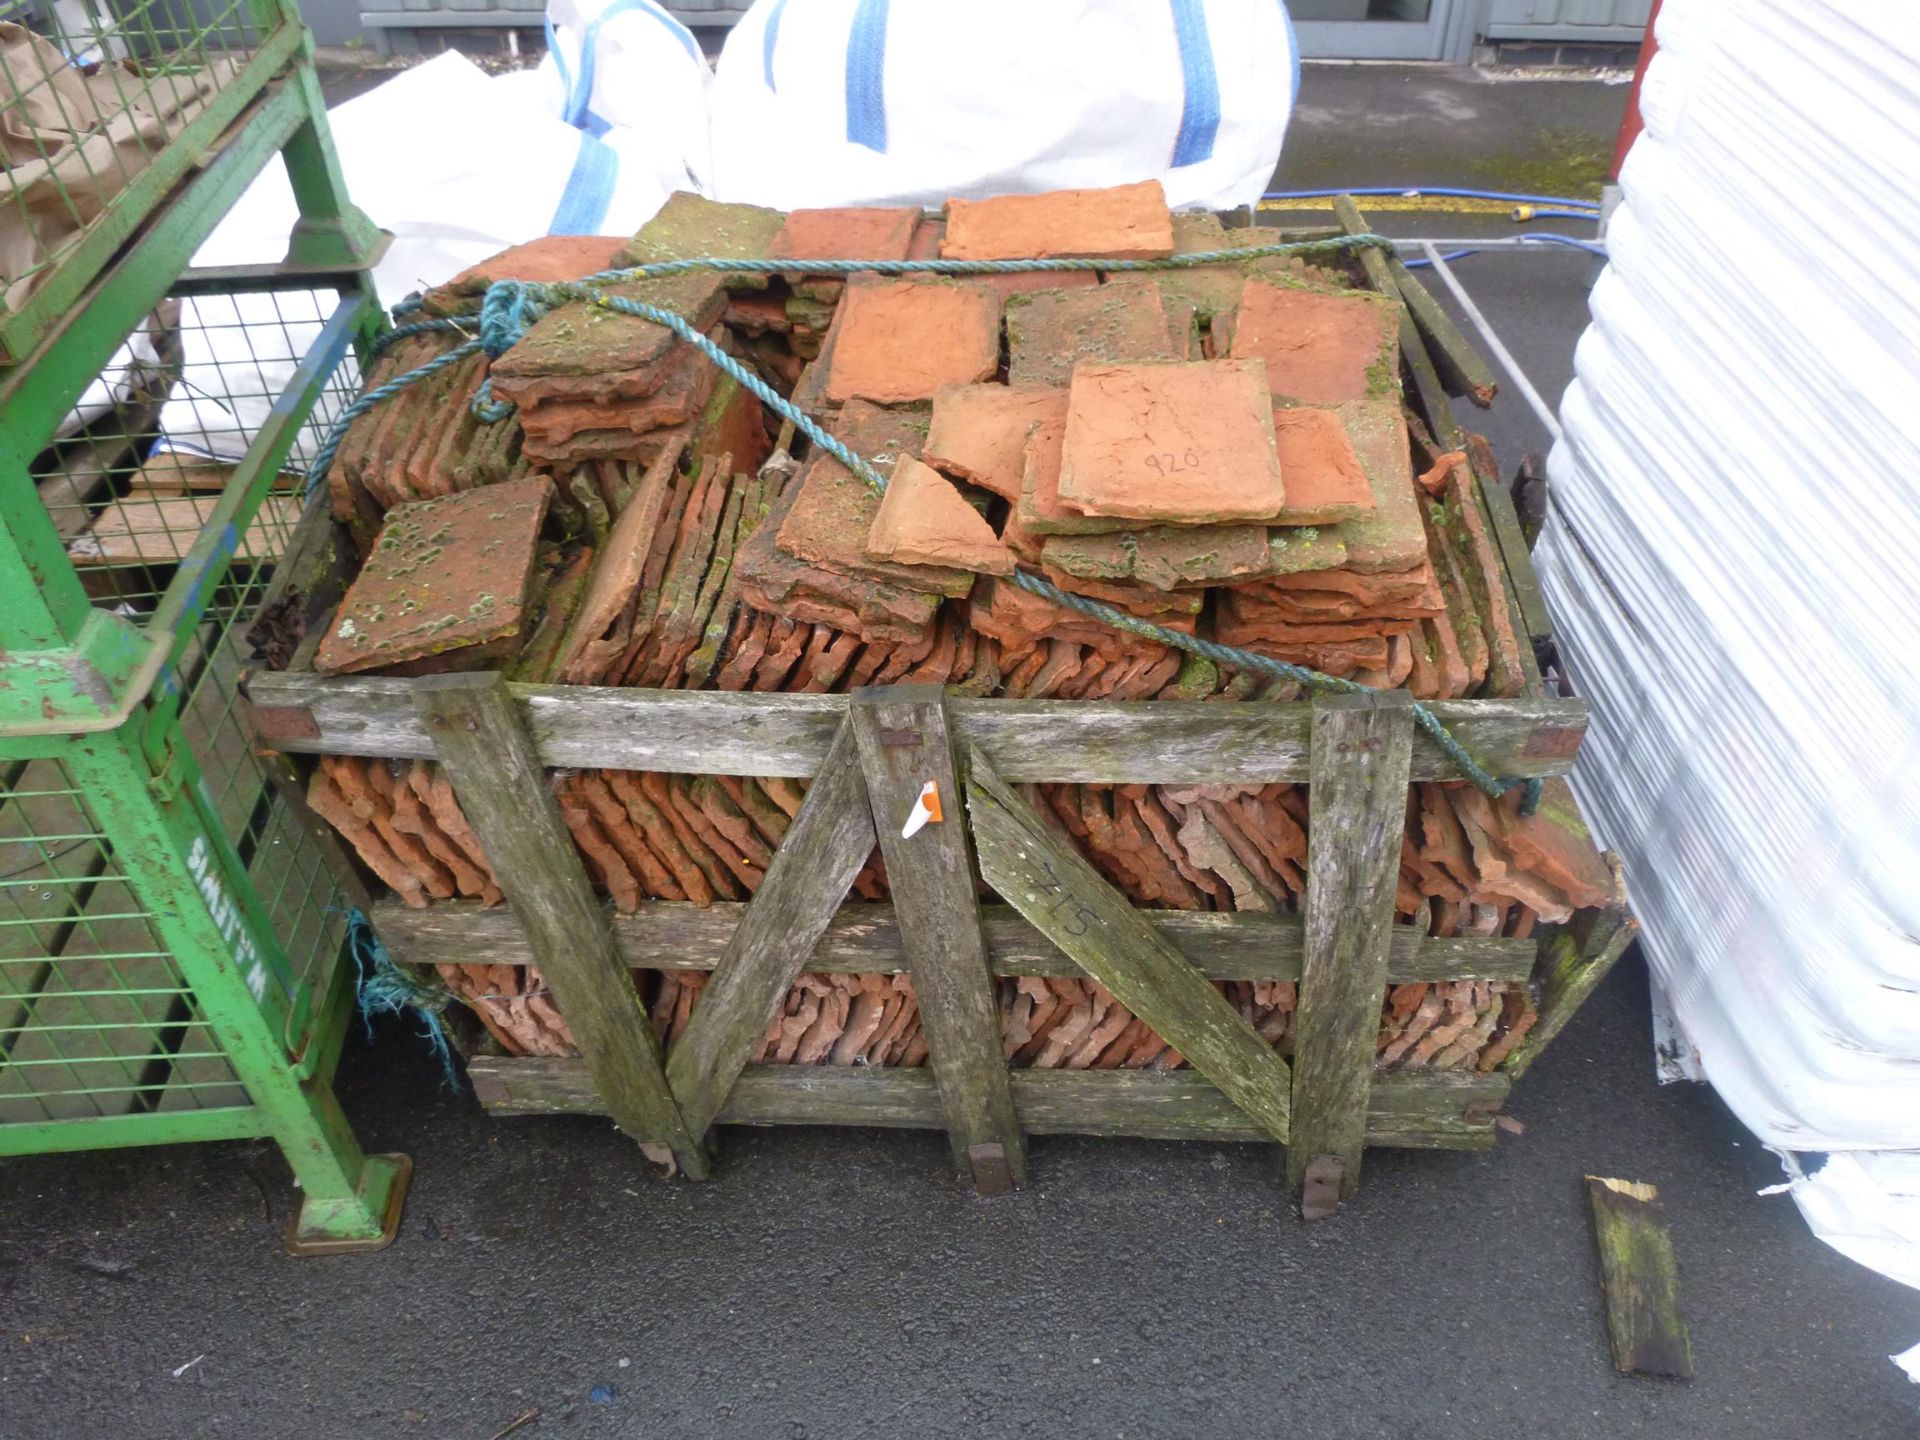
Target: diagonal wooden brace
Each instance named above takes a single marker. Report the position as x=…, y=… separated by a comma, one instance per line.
x=1575, y=958
x=1065, y=898
x=818, y=858
x=490, y=760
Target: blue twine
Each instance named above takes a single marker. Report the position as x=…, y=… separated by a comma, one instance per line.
x=511, y=307
x=385, y=989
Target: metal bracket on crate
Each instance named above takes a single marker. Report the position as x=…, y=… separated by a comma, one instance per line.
x=92, y=685
x=1320, y=1188
x=346, y=242
x=992, y=1172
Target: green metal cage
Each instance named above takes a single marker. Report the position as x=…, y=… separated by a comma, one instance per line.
x=98, y=1017
x=173, y=939
x=110, y=104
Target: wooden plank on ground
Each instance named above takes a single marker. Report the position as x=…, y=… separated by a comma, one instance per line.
x=1358, y=815
x=864, y=939
x=174, y=472
x=81, y=477
x=1640, y=1280
x=1418, y=1109
x=1068, y=901
x=501, y=787
x=906, y=753
x=1028, y=741
x=822, y=851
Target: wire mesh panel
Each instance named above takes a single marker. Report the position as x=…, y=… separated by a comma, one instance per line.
x=284, y=862
x=91, y=95
x=170, y=931
x=152, y=447
x=96, y=1017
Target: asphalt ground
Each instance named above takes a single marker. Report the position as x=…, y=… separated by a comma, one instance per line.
x=839, y=1283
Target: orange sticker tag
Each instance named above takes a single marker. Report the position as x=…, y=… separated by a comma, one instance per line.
x=926, y=811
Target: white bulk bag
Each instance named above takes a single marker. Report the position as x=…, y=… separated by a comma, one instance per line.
x=848, y=102
x=459, y=166
x=627, y=65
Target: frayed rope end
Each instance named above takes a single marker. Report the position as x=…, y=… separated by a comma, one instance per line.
x=384, y=988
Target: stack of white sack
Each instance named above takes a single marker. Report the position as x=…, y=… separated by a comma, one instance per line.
x=866, y=102
x=1732, y=561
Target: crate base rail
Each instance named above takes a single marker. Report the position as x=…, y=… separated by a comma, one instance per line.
x=1441, y=1111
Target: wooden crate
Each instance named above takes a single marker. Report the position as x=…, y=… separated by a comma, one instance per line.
x=868, y=756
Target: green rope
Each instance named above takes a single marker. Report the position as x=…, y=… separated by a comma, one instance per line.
x=511, y=307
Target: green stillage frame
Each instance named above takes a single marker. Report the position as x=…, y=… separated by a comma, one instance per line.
x=98, y=693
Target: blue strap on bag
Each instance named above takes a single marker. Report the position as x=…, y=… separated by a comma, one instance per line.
x=1200, y=110
x=583, y=204
x=867, y=58
x=769, y=38
x=579, y=112
x=866, y=76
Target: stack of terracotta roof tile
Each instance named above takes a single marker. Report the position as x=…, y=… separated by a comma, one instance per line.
x=423, y=446
x=1219, y=450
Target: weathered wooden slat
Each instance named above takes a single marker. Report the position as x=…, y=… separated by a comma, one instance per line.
x=1036, y=873
x=864, y=939
x=1503, y=523
x=1416, y=1109
x=1462, y=368
x=1437, y=371
x=1424, y=354
x=824, y=848
x=504, y=793
x=1640, y=1280
x=905, y=745
x=1358, y=816
x=1174, y=743
x=697, y=732
x=1429, y=394
x=1574, y=962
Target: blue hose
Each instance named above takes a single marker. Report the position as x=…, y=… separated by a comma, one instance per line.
x=1450, y=256
x=1547, y=237
x=1414, y=191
